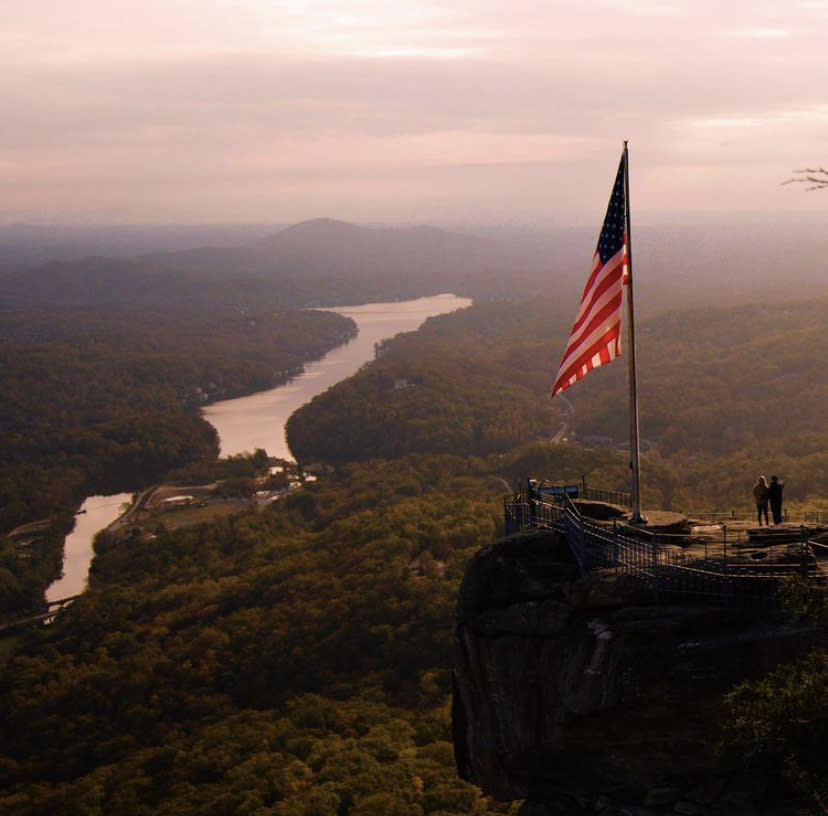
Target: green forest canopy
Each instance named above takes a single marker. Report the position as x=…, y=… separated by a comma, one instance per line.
x=723, y=394
x=106, y=402
x=297, y=660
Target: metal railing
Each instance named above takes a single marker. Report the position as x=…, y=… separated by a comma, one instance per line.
x=540, y=489
x=721, y=576
x=804, y=516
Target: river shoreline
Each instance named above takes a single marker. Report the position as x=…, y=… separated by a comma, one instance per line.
x=95, y=514
x=256, y=420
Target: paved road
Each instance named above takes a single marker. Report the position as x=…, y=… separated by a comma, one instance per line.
x=564, y=429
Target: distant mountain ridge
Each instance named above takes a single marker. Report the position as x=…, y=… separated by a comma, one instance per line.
x=29, y=244
x=321, y=262
x=324, y=246
x=325, y=262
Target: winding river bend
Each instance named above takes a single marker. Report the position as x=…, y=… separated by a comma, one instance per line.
x=258, y=420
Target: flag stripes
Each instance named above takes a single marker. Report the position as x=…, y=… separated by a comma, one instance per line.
x=595, y=338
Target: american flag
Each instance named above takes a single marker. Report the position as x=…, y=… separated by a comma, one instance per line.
x=595, y=338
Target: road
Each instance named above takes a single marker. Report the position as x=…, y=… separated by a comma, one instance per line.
x=560, y=436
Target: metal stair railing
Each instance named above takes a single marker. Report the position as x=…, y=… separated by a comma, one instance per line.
x=670, y=574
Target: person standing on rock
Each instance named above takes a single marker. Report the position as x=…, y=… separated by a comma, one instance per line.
x=761, y=493
x=775, y=496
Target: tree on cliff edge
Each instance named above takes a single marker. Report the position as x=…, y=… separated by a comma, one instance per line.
x=782, y=719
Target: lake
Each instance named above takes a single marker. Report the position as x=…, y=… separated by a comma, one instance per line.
x=258, y=420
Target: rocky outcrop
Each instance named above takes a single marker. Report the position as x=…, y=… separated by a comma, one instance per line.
x=586, y=694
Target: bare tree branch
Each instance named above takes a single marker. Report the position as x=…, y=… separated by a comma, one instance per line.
x=817, y=177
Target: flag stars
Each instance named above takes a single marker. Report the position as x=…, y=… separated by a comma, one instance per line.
x=612, y=234
x=595, y=338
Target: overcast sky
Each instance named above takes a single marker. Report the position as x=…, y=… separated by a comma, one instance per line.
x=426, y=111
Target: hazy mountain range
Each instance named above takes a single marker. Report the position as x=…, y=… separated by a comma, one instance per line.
x=325, y=262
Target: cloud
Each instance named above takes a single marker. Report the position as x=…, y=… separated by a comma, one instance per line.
x=763, y=33
x=199, y=100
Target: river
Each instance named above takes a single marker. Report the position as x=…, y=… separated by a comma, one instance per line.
x=96, y=513
x=258, y=420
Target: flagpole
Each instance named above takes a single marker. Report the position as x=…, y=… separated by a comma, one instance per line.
x=636, y=517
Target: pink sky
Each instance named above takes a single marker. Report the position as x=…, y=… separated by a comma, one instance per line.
x=434, y=112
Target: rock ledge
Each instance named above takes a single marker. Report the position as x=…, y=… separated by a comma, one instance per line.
x=585, y=694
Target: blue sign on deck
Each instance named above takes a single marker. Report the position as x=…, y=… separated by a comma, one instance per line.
x=561, y=490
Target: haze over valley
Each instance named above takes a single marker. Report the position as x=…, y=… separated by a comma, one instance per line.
x=107, y=361
x=204, y=202
x=676, y=263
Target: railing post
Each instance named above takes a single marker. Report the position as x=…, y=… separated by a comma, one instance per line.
x=728, y=589
x=655, y=563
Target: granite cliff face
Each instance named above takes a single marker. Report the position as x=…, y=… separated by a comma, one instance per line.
x=588, y=695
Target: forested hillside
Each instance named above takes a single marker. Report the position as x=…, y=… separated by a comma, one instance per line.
x=724, y=394
x=109, y=401
x=294, y=661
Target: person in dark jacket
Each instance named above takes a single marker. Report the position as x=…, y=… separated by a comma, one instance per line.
x=775, y=497
x=760, y=494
